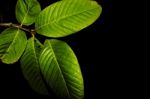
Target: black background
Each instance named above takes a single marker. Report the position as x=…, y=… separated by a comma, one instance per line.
x=93, y=47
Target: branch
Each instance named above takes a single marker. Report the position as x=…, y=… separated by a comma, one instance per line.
x=32, y=31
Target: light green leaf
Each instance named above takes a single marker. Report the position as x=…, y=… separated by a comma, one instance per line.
x=61, y=70
x=27, y=11
x=12, y=44
x=66, y=17
x=31, y=68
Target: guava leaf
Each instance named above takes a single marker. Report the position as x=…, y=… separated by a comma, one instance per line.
x=61, y=70
x=31, y=68
x=67, y=17
x=27, y=11
x=12, y=44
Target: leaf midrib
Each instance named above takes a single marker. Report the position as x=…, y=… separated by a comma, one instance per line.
x=59, y=69
x=26, y=14
x=51, y=22
x=33, y=46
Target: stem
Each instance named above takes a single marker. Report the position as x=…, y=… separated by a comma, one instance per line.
x=32, y=31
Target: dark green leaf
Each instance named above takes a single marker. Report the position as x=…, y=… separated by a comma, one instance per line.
x=30, y=66
x=61, y=70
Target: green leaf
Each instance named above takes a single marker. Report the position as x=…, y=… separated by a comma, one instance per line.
x=27, y=11
x=66, y=17
x=30, y=66
x=61, y=70
x=12, y=44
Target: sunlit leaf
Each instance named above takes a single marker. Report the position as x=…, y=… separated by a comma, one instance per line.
x=67, y=17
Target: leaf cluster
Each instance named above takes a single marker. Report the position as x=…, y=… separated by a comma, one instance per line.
x=54, y=62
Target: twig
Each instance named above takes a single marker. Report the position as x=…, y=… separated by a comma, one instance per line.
x=32, y=31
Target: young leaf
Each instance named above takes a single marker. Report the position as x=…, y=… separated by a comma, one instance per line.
x=66, y=17
x=30, y=66
x=61, y=70
x=12, y=44
x=27, y=11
